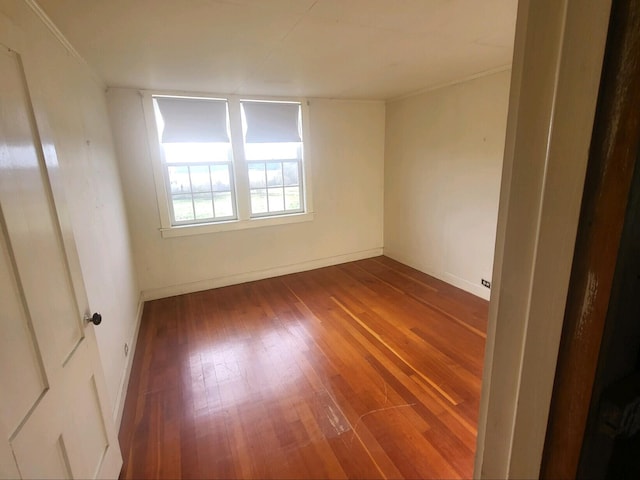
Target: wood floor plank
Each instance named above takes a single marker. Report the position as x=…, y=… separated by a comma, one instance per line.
x=368, y=369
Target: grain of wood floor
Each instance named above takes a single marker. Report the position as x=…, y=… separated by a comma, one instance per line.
x=368, y=369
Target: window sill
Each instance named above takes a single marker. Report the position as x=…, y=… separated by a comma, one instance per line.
x=186, y=230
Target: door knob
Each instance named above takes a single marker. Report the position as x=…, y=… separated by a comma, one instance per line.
x=96, y=318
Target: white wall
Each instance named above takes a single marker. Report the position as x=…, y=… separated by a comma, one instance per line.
x=346, y=160
x=73, y=103
x=443, y=160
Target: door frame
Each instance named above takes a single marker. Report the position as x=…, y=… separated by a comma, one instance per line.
x=612, y=160
x=558, y=52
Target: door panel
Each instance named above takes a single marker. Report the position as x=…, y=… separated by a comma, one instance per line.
x=54, y=412
x=87, y=441
x=20, y=388
x=8, y=468
x=39, y=446
x=31, y=223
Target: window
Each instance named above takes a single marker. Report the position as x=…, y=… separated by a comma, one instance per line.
x=197, y=158
x=227, y=163
x=273, y=152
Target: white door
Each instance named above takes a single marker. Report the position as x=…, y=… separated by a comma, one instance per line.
x=54, y=417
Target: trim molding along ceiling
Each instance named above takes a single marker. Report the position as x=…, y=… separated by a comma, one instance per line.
x=468, y=78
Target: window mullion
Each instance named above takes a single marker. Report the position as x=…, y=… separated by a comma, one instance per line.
x=240, y=170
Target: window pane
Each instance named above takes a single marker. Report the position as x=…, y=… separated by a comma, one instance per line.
x=203, y=205
x=292, y=198
x=223, y=204
x=257, y=177
x=200, y=181
x=259, y=201
x=290, y=173
x=276, y=199
x=220, y=178
x=182, y=208
x=196, y=152
x=179, y=179
x=274, y=175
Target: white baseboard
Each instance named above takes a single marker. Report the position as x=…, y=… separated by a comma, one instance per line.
x=155, y=293
x=466, y=285
x=461, y=283
x=124, y=382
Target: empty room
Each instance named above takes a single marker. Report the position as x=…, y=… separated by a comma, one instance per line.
x=290, y=238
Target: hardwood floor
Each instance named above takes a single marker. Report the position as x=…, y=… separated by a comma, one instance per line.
x=369, y=369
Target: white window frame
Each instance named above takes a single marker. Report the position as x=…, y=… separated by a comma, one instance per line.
x=239, y=169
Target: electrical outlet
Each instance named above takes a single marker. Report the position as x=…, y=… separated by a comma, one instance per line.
x=126, y=349
x=486, y=283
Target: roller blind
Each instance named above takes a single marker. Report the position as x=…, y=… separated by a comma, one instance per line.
x=270, y=122
x=193, y=120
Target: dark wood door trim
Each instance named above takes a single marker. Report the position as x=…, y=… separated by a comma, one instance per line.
x=613, y=152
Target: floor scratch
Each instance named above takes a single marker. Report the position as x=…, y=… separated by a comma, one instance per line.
x=392, y=407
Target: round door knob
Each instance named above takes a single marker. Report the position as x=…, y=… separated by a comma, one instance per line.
x=96, y=318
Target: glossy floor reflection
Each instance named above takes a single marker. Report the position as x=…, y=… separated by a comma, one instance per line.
x=368, y=369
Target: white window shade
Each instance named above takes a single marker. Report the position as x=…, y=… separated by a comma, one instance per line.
x=193, y=120
x=270, y=122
